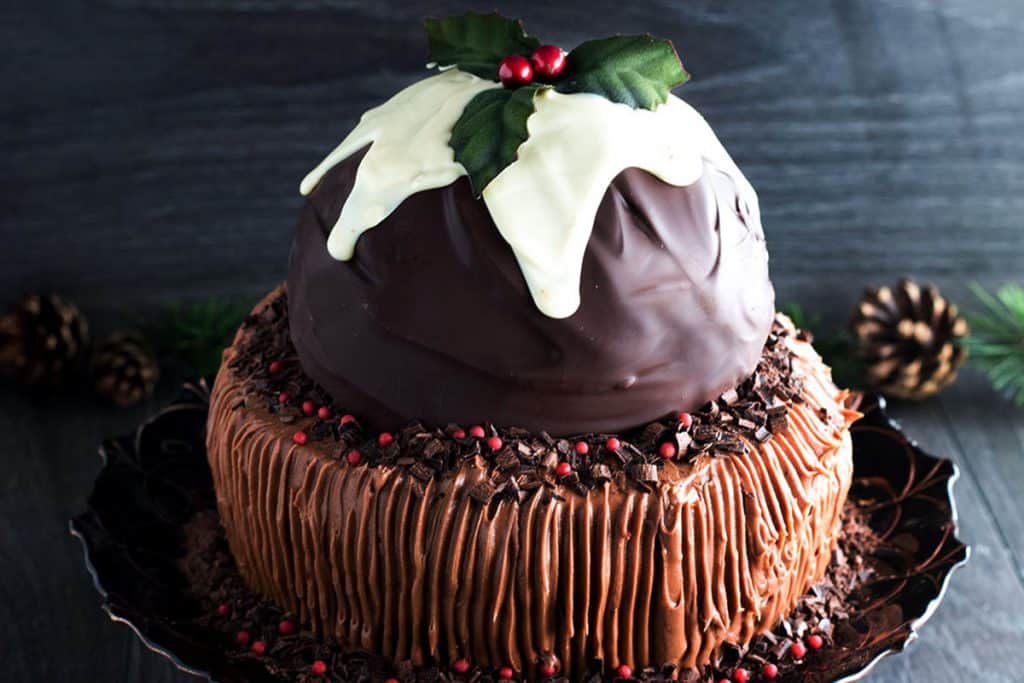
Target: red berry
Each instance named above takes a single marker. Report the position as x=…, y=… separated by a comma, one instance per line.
x=392, y=680
x=286, y=627
x=624, y=671
x=582, y=447
x=495, y=443
x=685, y=420
x=385, y=439
x=258, y=647
x=275, y=367
x=284, y=397
x=799, y=650
x=460, y=665
x=308, y=407
x=242, y=637
x=515, y=70
x=740, y=676
x=347, y=419
x=613, y=444
x=318, y=668
x=354, y=457
x=770, y=670
x=324, y=413
x=724, y=680
x=547, y=669
x=815, y=641
x=300, y=438
x=564, y=469
x=506, y=673
x=223, y=609
x=477, y=432
x=667, y=450
x=459, y=434
x=548, y=61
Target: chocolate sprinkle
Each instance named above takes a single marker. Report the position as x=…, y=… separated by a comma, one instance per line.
x=749, y=413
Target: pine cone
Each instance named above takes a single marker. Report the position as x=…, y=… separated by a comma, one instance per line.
x=911, y=339
x=125, y=369
x=43, y=340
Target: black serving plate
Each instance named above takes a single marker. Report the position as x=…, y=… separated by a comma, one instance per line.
x=156, y=479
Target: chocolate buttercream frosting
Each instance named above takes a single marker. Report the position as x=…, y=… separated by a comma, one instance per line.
x=423, y=570
x=431, y=318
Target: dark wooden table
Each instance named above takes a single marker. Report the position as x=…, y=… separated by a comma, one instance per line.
x=151, y=150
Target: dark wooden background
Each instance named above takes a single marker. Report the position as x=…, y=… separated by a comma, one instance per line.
x=152, y=149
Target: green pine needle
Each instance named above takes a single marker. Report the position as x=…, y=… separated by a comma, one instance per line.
x=197, y=334
x=996, y=342
x=833, y=346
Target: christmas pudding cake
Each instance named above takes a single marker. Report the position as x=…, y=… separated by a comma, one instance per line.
x=524, y=404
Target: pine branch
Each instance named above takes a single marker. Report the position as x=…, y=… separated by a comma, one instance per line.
x=996, y=342
x=833, y=346
x=198, y=333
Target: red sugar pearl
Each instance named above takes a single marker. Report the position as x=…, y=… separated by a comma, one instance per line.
x=613, y=444
x=770, y=670
x=799, y=650
x=548, y=61
x=324, y=413
x=740, y=676
x=347, y=419
x=477, y=432
x=258, y=647
x=564, y=469
x=460, y=665
x=582, y=447
x=384, y=439
x=515, y=70
x=547, y=669
x=392, y=680
x=685, y=420
x=275, y=367
x=354, y=457
x=495, y=443
x=284, y=397
x=318, y=668
x=624, y=671
x=223, y=609
x=459, y=434
x=242, y=637
x=308, y=407
x=506, y=673
x=300, y=438
x=286, y=627
x=724, y=680
x=815, y=641
x=667, y=450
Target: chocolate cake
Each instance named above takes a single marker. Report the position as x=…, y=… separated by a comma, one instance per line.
x=524, y=402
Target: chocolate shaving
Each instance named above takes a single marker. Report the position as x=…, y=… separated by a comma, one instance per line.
x=749, y=413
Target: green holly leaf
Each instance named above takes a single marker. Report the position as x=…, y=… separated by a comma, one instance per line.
x=487, y=136
x=476, y=42
x=635, y=70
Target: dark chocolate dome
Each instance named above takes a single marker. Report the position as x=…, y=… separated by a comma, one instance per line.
x=431, y=319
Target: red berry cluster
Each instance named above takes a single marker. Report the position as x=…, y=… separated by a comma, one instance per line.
x=545, y=64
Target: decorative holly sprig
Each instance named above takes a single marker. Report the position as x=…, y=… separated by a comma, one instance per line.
x=638, y=71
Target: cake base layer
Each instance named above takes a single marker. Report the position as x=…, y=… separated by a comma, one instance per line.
x=421, y=570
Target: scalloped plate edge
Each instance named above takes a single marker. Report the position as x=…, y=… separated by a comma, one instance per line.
x=118, y=619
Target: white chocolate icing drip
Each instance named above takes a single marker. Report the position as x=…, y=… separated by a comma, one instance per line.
x=544, y=203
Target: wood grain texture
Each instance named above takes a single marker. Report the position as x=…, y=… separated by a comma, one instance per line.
x=152, y=151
